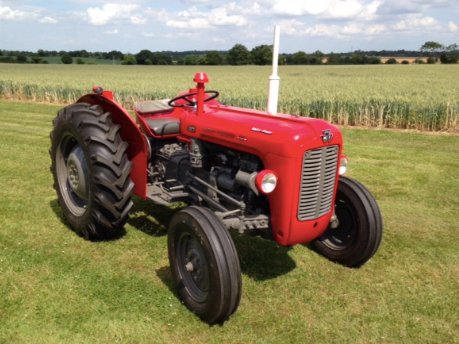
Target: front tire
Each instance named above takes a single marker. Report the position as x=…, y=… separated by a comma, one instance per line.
x=91, y=171
x=358, y=235
x=204, y=264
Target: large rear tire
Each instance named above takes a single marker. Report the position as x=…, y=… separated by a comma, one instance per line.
x=358, y=235
x=91, y=171
x=204, y=264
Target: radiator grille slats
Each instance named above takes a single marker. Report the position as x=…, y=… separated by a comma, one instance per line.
x=317, y=182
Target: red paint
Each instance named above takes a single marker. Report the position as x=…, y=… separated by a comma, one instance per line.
x=200, y=79
x=279, y=141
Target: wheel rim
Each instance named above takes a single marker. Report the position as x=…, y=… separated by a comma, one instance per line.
x=341, y=237
x=193, y=266
x=72, y=175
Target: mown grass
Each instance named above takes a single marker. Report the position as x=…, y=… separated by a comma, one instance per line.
x=55, y=287
x=422, y=97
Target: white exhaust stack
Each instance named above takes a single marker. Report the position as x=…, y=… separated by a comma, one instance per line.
x=274, y=79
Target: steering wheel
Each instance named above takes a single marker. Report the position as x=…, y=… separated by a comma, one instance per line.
x=190, y=102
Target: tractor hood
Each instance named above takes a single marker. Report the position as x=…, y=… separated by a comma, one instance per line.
x=259, y=133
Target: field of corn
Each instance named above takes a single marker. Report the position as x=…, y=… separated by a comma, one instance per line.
x=421, y=97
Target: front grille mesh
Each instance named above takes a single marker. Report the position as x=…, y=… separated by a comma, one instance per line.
x=317, y=182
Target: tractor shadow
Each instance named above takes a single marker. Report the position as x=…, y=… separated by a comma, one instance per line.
x=165, y=275
x=150, y=218
x=262, y=259
x=57, y=210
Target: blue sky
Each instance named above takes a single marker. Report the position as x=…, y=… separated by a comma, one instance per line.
x=307, y=25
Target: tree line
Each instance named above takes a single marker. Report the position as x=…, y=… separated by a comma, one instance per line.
x=237, y=55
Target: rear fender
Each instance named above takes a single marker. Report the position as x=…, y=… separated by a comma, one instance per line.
x=137, y=147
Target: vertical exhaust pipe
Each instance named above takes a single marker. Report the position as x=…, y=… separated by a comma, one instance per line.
x=274, y=80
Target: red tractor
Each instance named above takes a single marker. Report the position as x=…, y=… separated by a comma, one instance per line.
x=279, y=176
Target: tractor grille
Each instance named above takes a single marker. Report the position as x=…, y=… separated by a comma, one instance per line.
x=317, y=182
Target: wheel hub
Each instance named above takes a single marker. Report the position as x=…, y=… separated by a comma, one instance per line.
x=77, y=172
x=196, y=268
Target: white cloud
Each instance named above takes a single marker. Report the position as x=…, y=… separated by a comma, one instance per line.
x=369, y=12
x=300, y=8
x=363, y=29
x=195, y=19
x=7, y=13
x=415, y=22
x=344, y=9
x=376, y=29
x=329, y=9
x=297, y=28
x=109, y=12
x=137, y=20
x=111, y=32
x=453, y=27
x=220, y=16
x=47, y=20
x=195, y=23
x=148, y=34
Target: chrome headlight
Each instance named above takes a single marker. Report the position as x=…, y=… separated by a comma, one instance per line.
x=266, y=181
x=342, y=165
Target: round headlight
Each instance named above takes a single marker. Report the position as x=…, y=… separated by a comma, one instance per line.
x=266, y=181
x=342, y=165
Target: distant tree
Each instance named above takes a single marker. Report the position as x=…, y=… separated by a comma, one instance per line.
x=67, y=59
x=21, y=58
x=334, y=59
x=113, y=55
x=143, y=56
x=129, y=60
x=191, y=60
x=6, y=59
x=431, y=47
x=238, y=55
x=372, y=60
x=405, y=62
x=357, y=58
x=262, y=54
x=450, y=55
x=431, y=60
x=391, y=61
x=36, y=59
x=161, y=59
x=318, y=53
x=202, y=60
x=79, y=60
x=214, y=58
x=298, y=58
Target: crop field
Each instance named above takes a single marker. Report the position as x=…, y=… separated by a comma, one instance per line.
x=421, y=97
x=55, y=287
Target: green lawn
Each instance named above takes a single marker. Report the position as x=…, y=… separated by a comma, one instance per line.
x=55, y=287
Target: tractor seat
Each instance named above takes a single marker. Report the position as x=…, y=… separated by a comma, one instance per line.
x=164, y=126
x=151, y=106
